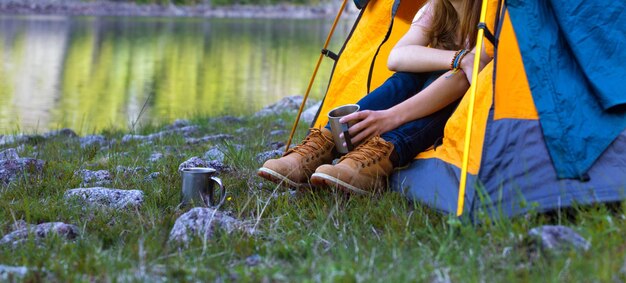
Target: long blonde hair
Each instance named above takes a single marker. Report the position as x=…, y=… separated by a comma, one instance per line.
x=449, y=32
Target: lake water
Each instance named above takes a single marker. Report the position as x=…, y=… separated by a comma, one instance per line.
x=90, y=74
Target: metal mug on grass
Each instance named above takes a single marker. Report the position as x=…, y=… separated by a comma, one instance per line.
x=199, y=187
x=337, y=128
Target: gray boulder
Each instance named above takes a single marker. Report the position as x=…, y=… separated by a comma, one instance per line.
x=66, y=133
x=185, y=131
x=10, y=153
x=286, y=104
x=202, y=222
x=214, y=154
x=263, y=156
x=40, y=232
x=93, y=141
x=558, y=238
x=10, y=169
x=193, y=162
x=211, y=138
x=105, y=197
x=308, y=115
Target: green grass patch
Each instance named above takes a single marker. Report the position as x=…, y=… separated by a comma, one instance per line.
x=318, y=235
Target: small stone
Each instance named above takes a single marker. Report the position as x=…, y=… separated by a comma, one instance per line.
x=202, y=222
x=214, y=154
x=105, y=197
x=10, y=153
x=41, y=231
x=193, y=162
x=155, y=157
x=97, y=178
x=211, y=138
x=557, y=238
x=263, y=156
x=152, y=176
x=68, y=133
x=253, y=260
x=93, y=141
x=227, y=120
x=277, y=132
x=286, y=104
x=130, y=170
x=179, y=123
x=10, y=273
x=276, y=145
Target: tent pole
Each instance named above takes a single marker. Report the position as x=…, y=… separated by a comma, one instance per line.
x=470, y=114
x=317, y=66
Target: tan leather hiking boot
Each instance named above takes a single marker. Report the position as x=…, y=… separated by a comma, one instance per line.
x=298, y=163
x=363, y=170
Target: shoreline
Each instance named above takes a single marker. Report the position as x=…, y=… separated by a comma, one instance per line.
x=110, y=8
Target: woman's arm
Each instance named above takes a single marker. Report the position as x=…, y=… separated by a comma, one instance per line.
x=410, y=54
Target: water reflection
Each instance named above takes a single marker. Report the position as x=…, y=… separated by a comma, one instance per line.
x=93, y=73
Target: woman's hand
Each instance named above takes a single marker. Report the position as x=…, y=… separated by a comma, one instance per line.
x=370, y=123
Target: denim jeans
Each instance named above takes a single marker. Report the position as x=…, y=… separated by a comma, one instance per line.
x=415, y=136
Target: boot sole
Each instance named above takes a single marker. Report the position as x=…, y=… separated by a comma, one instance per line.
x=321, y=179
x=275, y=177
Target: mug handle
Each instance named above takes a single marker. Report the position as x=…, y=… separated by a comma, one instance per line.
x=346, y=136
x=222, y=191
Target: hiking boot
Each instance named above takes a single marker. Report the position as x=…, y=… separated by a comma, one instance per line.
x=363, y=170
x=298, y=163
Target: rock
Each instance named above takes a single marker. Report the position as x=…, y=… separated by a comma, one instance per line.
x=105, y=197
x=127, y=171
x=211, y=138
x=41, y=231
x=152, y=176
x=202, y=222
x=276, y=145
x=214, y=154
x=155, y=157
x=93, y=141
x=217, y=165
x=277, y=132
x=21, y=138
x=185, y=131
x=179, y=123
x=10, y=169
x=253, y=260
x=558, y=238
x=10, y=273
x=66, y=133
x=308, y=115
x=227, y=120
x=10, y=153
x=263, y=156
x=193, y=162
x=97, y=178
x=286, y=104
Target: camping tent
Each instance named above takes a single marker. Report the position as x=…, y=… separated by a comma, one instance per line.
x=548, y=118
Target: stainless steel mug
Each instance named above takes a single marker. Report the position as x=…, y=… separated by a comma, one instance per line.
x=199, y=187
x=337, y=128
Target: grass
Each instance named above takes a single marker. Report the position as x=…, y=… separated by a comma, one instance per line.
x=316, y=235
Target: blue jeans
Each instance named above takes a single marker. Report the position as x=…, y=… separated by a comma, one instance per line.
x=415, y=136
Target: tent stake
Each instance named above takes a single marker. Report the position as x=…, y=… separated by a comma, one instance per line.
x=470, y=114
x=317, y=66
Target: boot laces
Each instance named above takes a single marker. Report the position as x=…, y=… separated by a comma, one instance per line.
x=311, y=144
x=369, y=152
